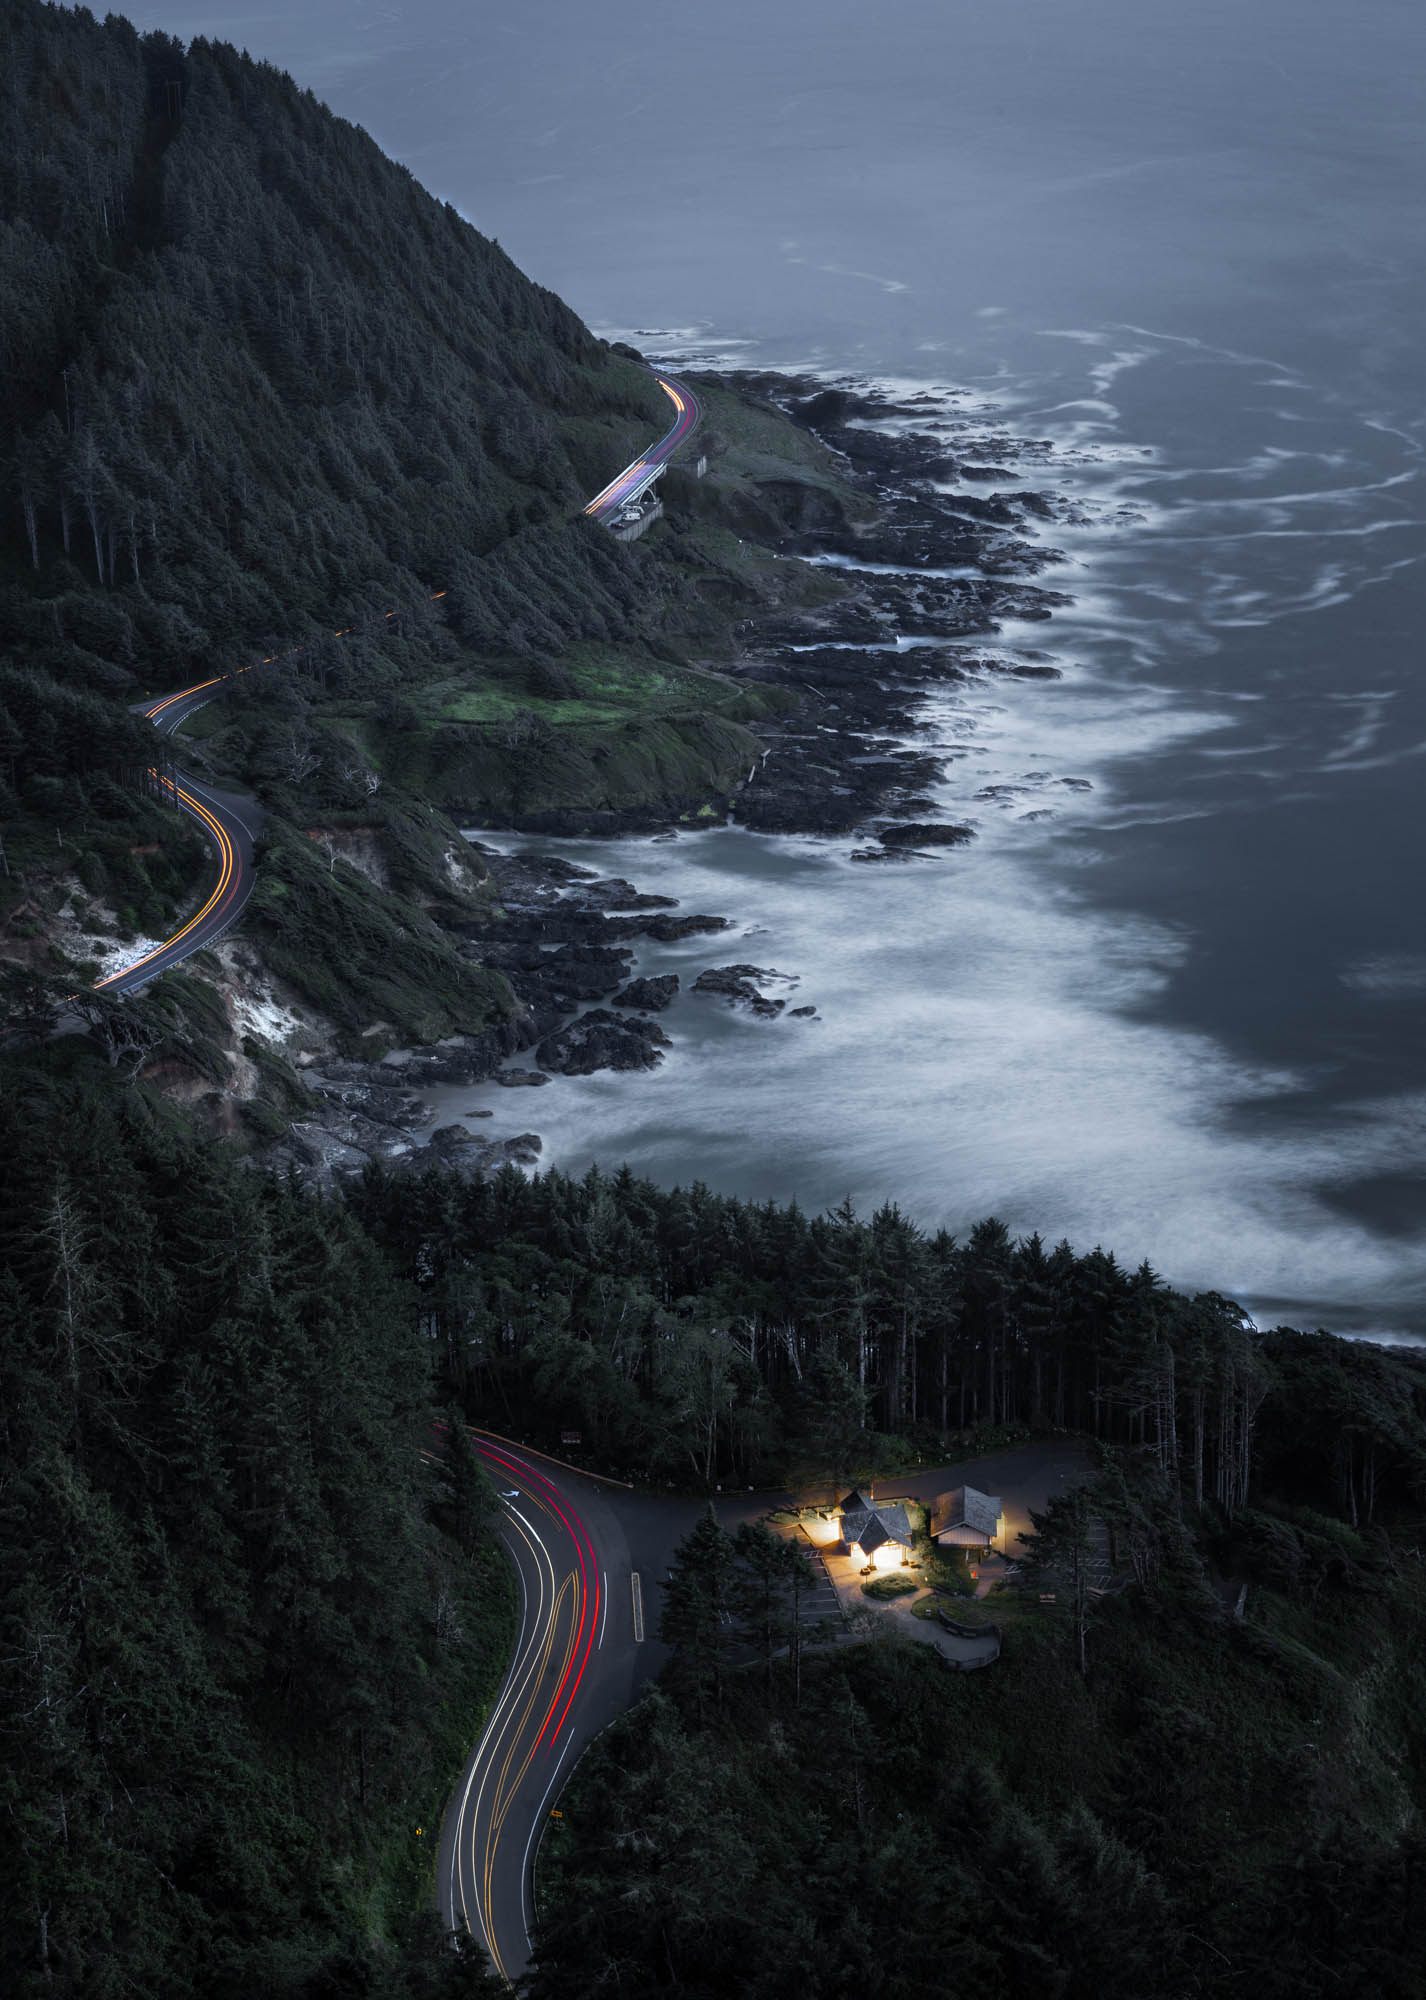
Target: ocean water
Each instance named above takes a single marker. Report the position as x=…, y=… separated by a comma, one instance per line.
x=1178, y=1012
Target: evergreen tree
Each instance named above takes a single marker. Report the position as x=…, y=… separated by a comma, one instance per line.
x=697, y=1613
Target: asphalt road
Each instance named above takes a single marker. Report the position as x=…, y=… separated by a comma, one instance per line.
x=580, y=1659
x=633, y=480
x=225, y=820
x=591, y=1558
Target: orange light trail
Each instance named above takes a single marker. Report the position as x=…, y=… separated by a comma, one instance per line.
x=631, y=474
x=228, y=873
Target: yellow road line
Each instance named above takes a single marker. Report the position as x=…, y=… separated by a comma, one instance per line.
x=229, y=860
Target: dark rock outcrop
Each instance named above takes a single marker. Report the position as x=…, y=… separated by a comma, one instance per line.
x=738, y=985
x=614, y=893
x=648, y=996
x=569, y=973
x=925, y=836
x=601, y=1040
x=667, y=930
x=452, y=1146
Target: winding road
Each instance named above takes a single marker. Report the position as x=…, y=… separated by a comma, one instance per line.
x=578, y=1660
x=635, y=479
x=229, y=821
x=592, y=1557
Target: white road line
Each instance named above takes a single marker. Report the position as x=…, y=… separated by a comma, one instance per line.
x=522, y=1673
x=604, y=1574
x=528, y=1886
x=492, y=1720
x=637, y=1591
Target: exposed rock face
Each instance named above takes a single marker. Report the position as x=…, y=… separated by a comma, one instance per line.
x=361, y=847
x=323, y=1152
x=458, y=1059
x=616, y=894
x=738, y=984
x=925, y=836
x=601, y=1040
x=559, y=978
x=667, y=930
x=647, y=996
x=460, y=1150
x=451, y=1139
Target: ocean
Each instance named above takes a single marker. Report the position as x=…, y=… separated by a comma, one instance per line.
x=1173, y=1005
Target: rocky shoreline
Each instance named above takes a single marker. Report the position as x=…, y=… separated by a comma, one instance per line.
x=933, y=577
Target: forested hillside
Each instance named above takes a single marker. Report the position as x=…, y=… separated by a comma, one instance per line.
x=1196, y=1765
x=269, y=406
x=247, y=1627
x=272, y=410
x=1217, y=1806
x=705, y=1338
x=260, y=382
x=267, y=399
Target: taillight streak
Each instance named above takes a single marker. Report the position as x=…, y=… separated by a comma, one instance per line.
x=580, y=1536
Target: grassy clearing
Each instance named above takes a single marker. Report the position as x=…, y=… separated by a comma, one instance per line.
x=677, y=765
x=749, y=439
x=604, y=684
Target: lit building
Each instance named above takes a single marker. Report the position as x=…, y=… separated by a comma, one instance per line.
x=966, y=1519
x=877, y=1535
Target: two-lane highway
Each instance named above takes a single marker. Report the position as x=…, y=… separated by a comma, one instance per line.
x=228, y=823
x=635, y=479
x=575, y=1665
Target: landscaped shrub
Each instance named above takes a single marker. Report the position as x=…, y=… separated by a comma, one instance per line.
x=895, y=1583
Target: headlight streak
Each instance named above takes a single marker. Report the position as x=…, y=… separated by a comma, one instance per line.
x=627, y=484
x=579, y=1534
x=526, y=1722
x=521, y=1686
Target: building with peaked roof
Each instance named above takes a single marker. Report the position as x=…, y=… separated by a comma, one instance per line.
x=881, y=1534
x=966, y=1519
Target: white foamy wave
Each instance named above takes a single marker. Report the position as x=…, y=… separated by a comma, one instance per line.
x=1387, y=975
x=979, y=1023
x=997, y=1039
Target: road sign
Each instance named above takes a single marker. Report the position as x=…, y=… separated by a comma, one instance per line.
x=569, y=1437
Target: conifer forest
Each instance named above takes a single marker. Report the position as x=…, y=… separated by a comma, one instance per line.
x=271, y=411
